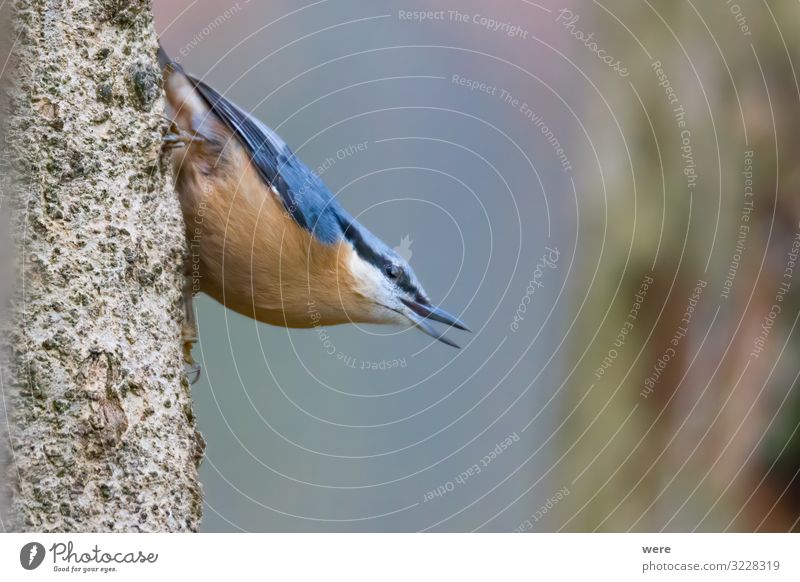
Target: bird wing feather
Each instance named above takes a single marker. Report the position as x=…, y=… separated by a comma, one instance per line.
x=304, y=195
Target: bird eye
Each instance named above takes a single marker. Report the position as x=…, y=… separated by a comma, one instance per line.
x=393, y=271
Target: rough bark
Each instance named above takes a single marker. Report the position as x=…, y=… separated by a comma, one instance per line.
x=4, y=278
x=102, y=432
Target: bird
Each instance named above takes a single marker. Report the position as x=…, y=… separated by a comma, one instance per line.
x=267, y=237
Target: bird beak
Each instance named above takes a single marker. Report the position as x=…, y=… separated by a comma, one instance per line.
x=435, y=313
x=422, y=312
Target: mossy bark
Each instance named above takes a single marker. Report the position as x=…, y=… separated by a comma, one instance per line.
x=102, y=432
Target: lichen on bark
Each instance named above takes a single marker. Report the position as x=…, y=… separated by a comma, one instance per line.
x=102, y=431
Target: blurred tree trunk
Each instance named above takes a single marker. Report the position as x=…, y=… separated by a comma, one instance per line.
x=102, y=432
x=715, y=445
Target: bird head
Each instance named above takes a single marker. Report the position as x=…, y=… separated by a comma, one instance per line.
x=387, y=288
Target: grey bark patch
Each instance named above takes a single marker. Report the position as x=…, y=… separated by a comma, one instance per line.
x=145, y=79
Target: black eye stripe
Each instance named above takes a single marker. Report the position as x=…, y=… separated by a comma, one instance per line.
x=404, y=282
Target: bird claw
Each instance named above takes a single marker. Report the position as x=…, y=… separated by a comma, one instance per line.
x=177, y=138
x=193, y=372
x=192, y=368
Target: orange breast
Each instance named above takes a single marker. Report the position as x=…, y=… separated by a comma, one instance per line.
x=249, y=254
x=245, y=250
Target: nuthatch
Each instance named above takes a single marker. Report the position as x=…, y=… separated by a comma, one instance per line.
x=270, y=239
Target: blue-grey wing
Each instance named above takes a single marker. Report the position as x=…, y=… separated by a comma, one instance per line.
x=304, y=195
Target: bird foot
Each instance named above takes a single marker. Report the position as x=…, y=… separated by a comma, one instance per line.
x=173, y=141
x=176, y=138
x=191, y=367
x=193, y=372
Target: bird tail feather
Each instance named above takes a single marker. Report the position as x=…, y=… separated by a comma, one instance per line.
x=166, y=63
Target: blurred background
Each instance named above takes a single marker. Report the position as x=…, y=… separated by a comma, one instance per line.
x=606, y=192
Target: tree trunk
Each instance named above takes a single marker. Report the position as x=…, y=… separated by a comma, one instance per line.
x=102, y=432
